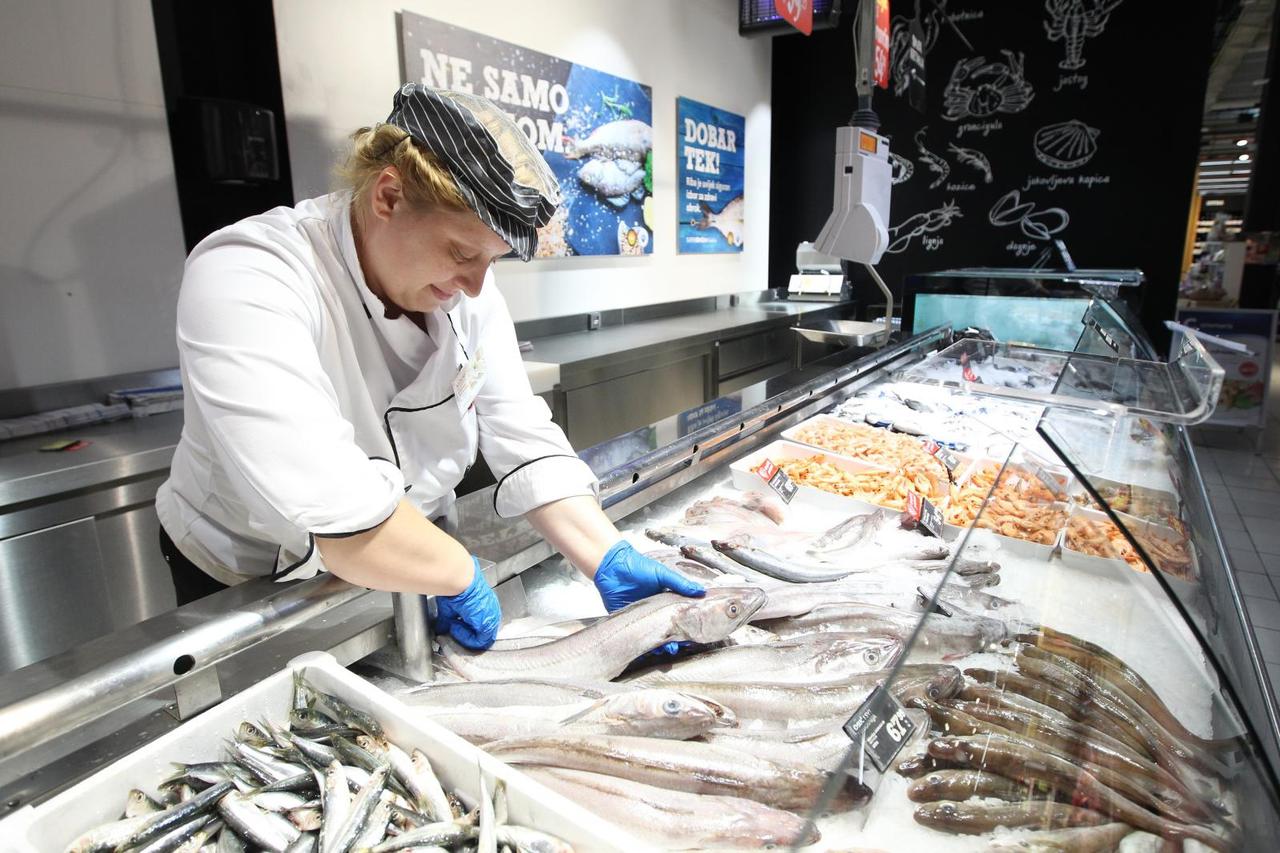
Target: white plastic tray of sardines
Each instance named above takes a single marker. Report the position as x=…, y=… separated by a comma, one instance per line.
x=418, y=770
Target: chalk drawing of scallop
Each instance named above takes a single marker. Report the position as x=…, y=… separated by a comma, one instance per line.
x=1066, y=145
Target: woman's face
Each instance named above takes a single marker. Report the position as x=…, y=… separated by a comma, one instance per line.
x=419, y=259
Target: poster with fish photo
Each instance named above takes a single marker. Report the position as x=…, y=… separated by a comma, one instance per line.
x=709, y=178
x=595, y=130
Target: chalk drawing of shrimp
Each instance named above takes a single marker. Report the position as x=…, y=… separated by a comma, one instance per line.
x=935, y=163
x=906, y=231
x=903, y=168
x=972, y=157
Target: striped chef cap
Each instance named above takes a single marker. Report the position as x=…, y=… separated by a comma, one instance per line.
x=497, y=169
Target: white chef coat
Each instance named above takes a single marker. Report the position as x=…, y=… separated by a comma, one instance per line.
x=309, y=413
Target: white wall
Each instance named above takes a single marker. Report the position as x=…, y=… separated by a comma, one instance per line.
x=91, y=245
x=339, y=66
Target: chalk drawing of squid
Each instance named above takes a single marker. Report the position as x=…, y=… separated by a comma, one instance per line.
x=1039, y=224
x=974, y=158
x=935, y=163
x=1073, y=21
x=906, y=231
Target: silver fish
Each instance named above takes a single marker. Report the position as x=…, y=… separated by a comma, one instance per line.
x=362, y=811
x=752, y=509
x=501, y=693
x=138, y=831
x=428, y=782
x=527, y=840
x=140, y=803
x=336, y=798
x=603, y=651
x=177, y=836
x=851, y=533
x=805, y=660
x=779, y=569
x=696, y=768
x=443, y=833
x=376, y=829
x=674, y=820
x=263, y=829
x=335, y=707
x=947, y=637
x=781, y=705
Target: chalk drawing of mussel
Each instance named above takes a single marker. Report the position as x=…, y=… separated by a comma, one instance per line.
x=1066, y=145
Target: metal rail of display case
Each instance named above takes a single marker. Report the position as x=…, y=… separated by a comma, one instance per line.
x=72, y=692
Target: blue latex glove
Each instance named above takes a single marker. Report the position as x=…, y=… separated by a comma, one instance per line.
x=625, y=576
x=471, y=617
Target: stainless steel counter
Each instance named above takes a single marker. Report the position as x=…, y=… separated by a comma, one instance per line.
x=579, y=349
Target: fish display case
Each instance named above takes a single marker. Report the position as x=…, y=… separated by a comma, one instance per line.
x=1039, y=307
x=937, y=616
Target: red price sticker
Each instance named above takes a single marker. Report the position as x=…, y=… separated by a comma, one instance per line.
x=798, y=13
x=777, y=479
x=965, y=370
x=920, y=510
x=881, y=59
x=945, y=456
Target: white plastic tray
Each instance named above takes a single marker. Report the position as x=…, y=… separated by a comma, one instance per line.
x=748, y=480
x=52, y=825
x=1111, y=566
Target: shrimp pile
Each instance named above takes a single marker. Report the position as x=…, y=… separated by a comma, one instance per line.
x=1020, y=507
x=883, y=488
x=877, y=446
x=1103, y=539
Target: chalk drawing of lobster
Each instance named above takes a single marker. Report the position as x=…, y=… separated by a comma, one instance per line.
x=1073, y=21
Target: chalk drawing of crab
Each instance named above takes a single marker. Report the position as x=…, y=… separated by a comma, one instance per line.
x=978, y=88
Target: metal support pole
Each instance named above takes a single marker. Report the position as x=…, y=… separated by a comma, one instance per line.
x=413, y=635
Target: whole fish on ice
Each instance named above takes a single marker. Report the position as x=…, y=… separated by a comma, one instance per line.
x=628, y=139
x=728, y=221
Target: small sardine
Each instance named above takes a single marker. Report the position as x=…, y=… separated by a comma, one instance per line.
x=334, y=706
x=263, y=829
x=336, y=800
x=140, y=803
x=442, y=834
x=429, y=783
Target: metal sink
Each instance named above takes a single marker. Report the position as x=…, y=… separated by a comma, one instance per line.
x=848, y=333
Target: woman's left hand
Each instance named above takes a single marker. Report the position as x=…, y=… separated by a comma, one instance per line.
x=625, y=576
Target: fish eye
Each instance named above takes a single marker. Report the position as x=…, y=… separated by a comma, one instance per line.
x=733, y=610
x=871, y=657
x=671, y=706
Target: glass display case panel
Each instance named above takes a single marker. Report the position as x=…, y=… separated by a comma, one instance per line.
x=1184, y=390
x=1079, y=709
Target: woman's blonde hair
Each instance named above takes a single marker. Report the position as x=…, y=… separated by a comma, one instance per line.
x=425, y=181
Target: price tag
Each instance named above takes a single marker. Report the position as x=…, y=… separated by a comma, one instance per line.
x=945, y=456
x=1102, y=333
x=924, y=514
x=1052, y=483
x=880, y=727
x=965, y=370
x=778, y=480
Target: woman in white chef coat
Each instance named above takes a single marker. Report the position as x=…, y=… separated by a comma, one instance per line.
x=343, y=360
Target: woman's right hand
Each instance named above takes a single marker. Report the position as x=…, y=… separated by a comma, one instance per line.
x=473, y=616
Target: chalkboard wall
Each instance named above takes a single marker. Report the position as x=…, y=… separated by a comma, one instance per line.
x=1064, y=121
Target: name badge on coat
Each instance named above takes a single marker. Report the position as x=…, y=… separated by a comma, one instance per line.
x=467, y=384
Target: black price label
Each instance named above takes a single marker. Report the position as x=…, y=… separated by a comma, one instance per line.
x=1103, y=333
x=924, y=514
x=880, y=727
x=778, y=480
x=945, y=456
